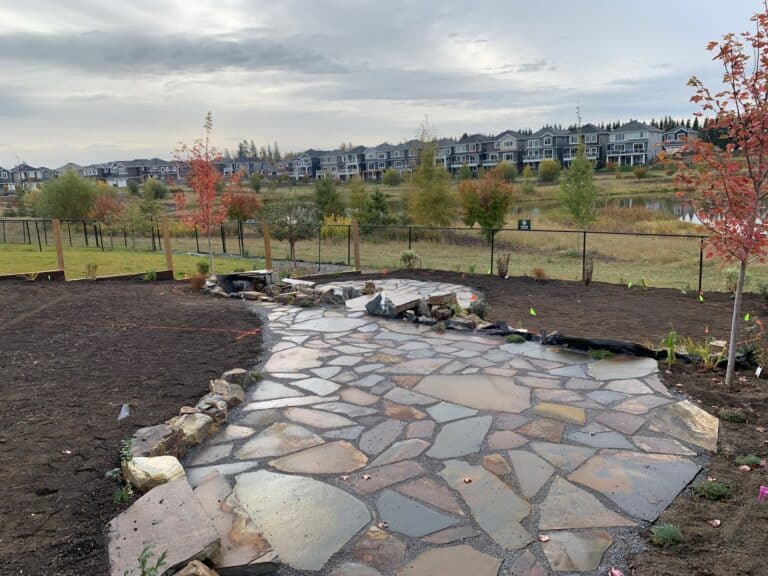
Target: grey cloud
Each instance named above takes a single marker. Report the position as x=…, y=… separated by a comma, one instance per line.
x=120, y=52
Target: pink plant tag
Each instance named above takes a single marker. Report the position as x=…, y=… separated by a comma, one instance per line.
x=763, y=494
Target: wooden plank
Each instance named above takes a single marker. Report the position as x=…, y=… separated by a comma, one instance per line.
x=59, y=243
x=167, y=246
x=267, y=245
x=356, y=243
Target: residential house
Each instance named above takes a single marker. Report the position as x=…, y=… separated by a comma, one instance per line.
x=675, y=139
x=26, y=174
x=412, y=153
x=468, y=151
x=306, y=164
x=398, y=156
x=377, y=161
x=506, y=147
x=444, y=152
x=5, y=176
x=68, y=167
x=634, y=144
x=595, y=141
x=546, y=144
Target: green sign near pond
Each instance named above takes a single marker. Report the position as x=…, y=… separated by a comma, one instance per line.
x=523, y=224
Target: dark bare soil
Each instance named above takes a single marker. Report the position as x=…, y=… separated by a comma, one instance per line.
x=597, y=311
x=736, y=548
x=70, y=355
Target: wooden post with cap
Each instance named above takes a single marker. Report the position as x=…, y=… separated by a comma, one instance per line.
x=267, y=245
x=356, y=243
x=167, y=246
x=59, y=245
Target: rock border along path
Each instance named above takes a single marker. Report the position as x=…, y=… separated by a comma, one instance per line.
x=375, y=446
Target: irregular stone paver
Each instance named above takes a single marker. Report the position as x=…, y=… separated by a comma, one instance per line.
x=452, y=535
x=496, y=508
x=482, y=391
x=332, y=458
x=390, y=401
x=409, y=517
x=404, y=450
x=378, y=478
x=432, y=492
x=689, y=423
x=531, y=472
x=159, y=517
x=622, y=367
x=380, y=549
x=445, y=412
x=380, y=436
x=642, y=484
x=562, y=412
x=305, y=521
x=280, y=438
x=579, y=551
x=567, y=506
x=460, y=437
x=455, y=560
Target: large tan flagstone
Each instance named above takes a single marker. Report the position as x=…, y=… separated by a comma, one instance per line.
x=333, y=458
x=480, y=391
x=452, y=561
x=687, y=422
x=576, y=551
x=567, y=506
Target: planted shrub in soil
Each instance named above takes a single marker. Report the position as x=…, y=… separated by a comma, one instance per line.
x=712, y=490
x=666, y=535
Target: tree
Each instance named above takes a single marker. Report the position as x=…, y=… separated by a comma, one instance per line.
x=505, y=171
x=242, y=203
x=729, y=185
x=528, y=172
x=485, y=202
x=377, y=211
x=391, y=177
x=464, y=173
x=210, y=209
x=328, y=198
x=291, y=221
x=255, y=182
x=133, y=188
x=431, y=203
x=107, y=207
x=357, y=197
x=480, y=172
x=578, y=191
x=154, y=189
x=276, y=152
x=68, y=196
x=549, y=170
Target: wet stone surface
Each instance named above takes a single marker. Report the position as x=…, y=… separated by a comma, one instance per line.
x=377, y=447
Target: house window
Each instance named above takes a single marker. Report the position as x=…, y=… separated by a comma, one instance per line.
x=508, y=144
x=638, y=147
x=395, y=154
x=548, y=153
x=617, y=137
x=509, y=157
x=573, y=139
x=547, y=140
x=382, y=165
x=535, y=143
x=592, y=152
x=590, y=138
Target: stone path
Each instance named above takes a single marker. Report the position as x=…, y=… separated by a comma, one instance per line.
x=375, y=447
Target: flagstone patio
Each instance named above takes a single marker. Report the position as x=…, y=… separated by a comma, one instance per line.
x=375, y=446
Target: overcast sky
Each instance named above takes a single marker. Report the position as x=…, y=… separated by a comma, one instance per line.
x=91, y=80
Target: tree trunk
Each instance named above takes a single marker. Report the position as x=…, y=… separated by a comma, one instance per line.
x=210, y=251
x=293, y=253
x=732, y=345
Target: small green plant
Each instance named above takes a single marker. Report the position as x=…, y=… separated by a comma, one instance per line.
x=457, y=268
x=733, y=415
x=712, y=490
x=515, y=339
x=203, y=267
x=409, y=258
x=670, y=343
x=123, y=494
x=150, y=276
x=255, y=375
x=480, y=308
x=90, y=271
x=600, y=353
x=126, y=450
x=502, y=265
x=710, y=356
x=666, y=535
x=145, y=559
x=439, y=327
x=472, y=268
x=749, y=460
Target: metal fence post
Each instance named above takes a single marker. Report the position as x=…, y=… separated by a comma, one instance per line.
x=69, y=233
x=3, y=231
x=85, y=233
x=39, y=244
x=584, y=256
x=493, y=239
x=29, y=233
x=701, y=262
x=242, y=240
x=45, y=234
x=101, y=237
x=319, y=244
x=410, y=234
x=125, y=237
x=197, y=241
x=349, y=244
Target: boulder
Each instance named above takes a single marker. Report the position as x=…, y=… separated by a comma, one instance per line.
x=441, y=313
x=169, y=517
x=478, y=323
x=296, y=283
x=370, y=288
x=381, y=305
x=426, y=320
x=251, y=295
x=272, y=290
x=214, y=405
x=349, y=292
x=160, y=440
x=286, y=297
x=410, y=316
x=458, y=323
x=232, y=393
x=218, y=291
x=144, y=473
x=196, y=568
x=423, y=309
x=303, y=301
x=443, y=299
x=235, y=376
x=194, y=427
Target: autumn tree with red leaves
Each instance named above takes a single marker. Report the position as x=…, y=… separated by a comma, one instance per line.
x=727, y=186
x=210, y=209
x=242, y=202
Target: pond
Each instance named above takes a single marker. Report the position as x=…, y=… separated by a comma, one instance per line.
x=662, y=204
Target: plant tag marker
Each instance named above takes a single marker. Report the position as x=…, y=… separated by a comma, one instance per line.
x=532, y=312
x=746, y=317
x=759, y=371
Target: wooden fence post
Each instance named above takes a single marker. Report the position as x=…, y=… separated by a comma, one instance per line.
x=59, y=244
x=267, y=245
x=356, y=243
x=167, y=246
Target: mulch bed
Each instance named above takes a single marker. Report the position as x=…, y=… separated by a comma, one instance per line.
x=600, y=310
x=71, y=355
x=734, y=548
